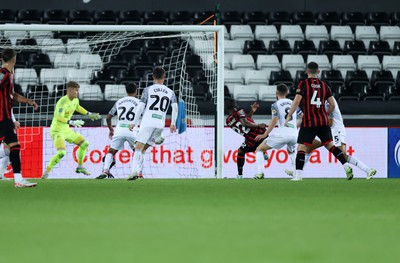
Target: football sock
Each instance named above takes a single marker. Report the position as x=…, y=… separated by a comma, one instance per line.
x=15, y=160
x=82, y=152
x=55, y=159
x=240, y=164
x=292, y=157
x=136, y=162
x=260, y=162
x=300, y=157
x=107, y=162
x=338, y=154
x=353, y=160
x=4, y=164
x=141, y=161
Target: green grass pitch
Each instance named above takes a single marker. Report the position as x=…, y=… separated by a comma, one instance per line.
x=272, y=220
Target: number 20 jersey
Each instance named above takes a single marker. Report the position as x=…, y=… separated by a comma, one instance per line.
x=157, y=98
x=125, y=109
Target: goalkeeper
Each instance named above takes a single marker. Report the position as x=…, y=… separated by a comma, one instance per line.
x=60, y=131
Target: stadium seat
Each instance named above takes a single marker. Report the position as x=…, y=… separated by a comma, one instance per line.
x=334, y=79
x=233, y=77
x=90, y=92
x=254, y=48
x=268, y=62
x=353, y=19
x=267, y=92
x=78, y=45
x=343, y=63
x=200, y=16
x=304, y=48
x=396, y=48
x=66, y=60
x=52, y=77
x=66, y=35
x=279, y=48
x=390, y=34
x=245, y=92
x=79, y=75
x=80, y=17
x=341, y=34
x=39, y=35
x=282, y=76
x=55, y=17
x=291, y=33
x=395, y=19
x=255, y=77
x=241, y=33
x=254, y=19
x=356, y=82
x=31, y=16
x=381, y=81
x=25, y=76
x=391, y=63
x=230, y=18
x=232, y=47
x=316, y=34
x=157, y=17
x=104, y=17
x=377, y=19
x=328, y=19
x=130, y=17
x=180, y=18
x=243, y=63
x=114, y=92
x=354, y=48
x=266, y=33
x=37, y=92
x=300, y=75
x=303, y=19
x=293, y=63
x=90, y=61
x=7, y=16
x=14, y=35
x=366, y=34
x=379, y=48
x=329, y=48
x=39, y=61
x=394, y=92
x=279, y=18
x=369, y=64
x=321, y=60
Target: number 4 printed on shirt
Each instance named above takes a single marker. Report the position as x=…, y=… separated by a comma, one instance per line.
x=314, y=100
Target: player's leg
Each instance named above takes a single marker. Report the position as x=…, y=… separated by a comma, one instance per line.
x=356, y=162
x=59, y=143
x=261, y=156
x=315, y=145
x=78, y=139
x=304, y=141
x=108, y=160
x=4, y=159
x=144, y=136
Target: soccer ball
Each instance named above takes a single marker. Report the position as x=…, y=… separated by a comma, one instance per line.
x=159, y=140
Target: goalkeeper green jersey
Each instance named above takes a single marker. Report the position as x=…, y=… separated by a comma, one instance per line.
x=63, y=112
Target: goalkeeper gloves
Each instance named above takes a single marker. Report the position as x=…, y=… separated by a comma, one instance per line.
x=94, y=116
x=77, y=123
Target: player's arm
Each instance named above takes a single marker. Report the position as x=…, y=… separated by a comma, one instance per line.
x=271, y=126
x=14, y=120
x=92, y=115
x=139, y=112
x=21, y=99
x=254, y=108
x=293, y=108
x=109, y=116
x=248, y=124
x=174, y=116
x=332, y=105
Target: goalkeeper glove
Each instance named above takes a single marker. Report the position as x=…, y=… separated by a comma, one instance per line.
x=77, y=123
x=94, y=116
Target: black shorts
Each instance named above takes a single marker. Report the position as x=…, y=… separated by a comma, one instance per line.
x=307, y=135
x=250, y=147
x=7, y=132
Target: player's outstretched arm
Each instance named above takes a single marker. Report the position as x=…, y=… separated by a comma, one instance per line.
x=174, y=116
x=19, y=98
x=92, y=115
x=271, y=126
x=254, y=108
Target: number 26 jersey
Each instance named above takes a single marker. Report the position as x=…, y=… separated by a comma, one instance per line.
x=125, y=109
x=157, y=98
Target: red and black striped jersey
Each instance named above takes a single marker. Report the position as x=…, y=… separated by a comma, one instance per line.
x=314, y=94
x=6, y=94
x=233, y=121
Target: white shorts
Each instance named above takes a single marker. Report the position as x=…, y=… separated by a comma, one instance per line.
x=148, y=135
x=339, y=137
x=277, y=141
x=2, y=151
x=121, y=136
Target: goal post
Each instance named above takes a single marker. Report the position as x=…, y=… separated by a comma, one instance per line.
x=114, y=37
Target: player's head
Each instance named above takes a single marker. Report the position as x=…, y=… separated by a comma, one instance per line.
x=72, y=89
x=312, y=69
x=282, y=90
x=230, y=104
x=159, y=74
x=131, y=89
x=8, y=55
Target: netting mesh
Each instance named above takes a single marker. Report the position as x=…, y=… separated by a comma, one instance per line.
x=47, y=60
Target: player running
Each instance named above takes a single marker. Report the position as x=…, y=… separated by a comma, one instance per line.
x=7, y=129
x=313, y=93
x=155, y=102
x=125, y=108
x=339, y=139
x=283, y=135
x=60, y=131
x=244, y=125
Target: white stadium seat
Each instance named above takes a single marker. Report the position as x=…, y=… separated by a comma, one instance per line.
x=391, y=63
x=343, y=63
x=321, y=60
x=255, y=77
x=66, y=60
x=390, y=34
x=41, y=34
x=51, y=77
x=293, y=63
x=25, y=76
x=291, y=33
x=366, y=34
x=78, y=45
x=79, y=75
x=316, y=34
x=231, y=47
x=14, y=35
x=233, y=77
x=245, y=92
x=268, y=62
x=267, y=92
x=90, y=92
x=241, y=33
x=341, y=34
x=92, y=61
x=266, y=33
x=369, y=64
x=114, y=92
x=243, y=63
x=51, y=45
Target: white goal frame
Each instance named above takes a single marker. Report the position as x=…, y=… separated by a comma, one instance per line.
x=219, y=30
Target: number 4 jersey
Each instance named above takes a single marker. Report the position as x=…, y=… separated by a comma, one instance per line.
x=125, y=108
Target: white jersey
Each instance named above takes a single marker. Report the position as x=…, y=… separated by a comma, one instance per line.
x=125, y=109
x=157, y=99
x=280, y=110
x=336, y=115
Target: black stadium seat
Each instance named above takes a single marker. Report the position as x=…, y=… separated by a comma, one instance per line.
x=304, y=48
x=279, y=18
x=130, y=17
x=328, y=19
x=7, y=16
x=353, y=19
x=379, y=48
x=303, y=19
x=394, y=92
x=57, y=17
x=329, y=48
x=355, y=84
x=180, y=18
x=231, y=18
x=158, y=17
x=354, y=48
x=200, y=16
x=282, y=76
x=334, y=79
x=30, y=16
x=254, y=48
x=80, y=17
x=396, y=48
x=254, y=18
x=377, y=19
x=395, y=19
x=105, y=17
x=279, y=47
x=381, y=81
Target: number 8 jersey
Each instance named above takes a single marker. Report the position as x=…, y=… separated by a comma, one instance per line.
x=157, y=98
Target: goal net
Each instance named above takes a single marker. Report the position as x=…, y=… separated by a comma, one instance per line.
x=103, y=59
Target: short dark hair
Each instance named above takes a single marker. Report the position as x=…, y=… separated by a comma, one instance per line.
x=158, y=73
x=282, y=89
x=7, y=54
x=131, y=88
x=72, y=84
x=312, y=67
